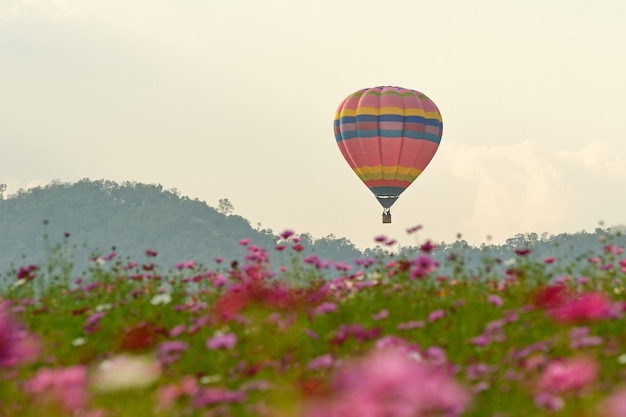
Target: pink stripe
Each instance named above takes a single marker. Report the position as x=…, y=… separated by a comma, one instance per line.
x=391, y=100
x=417, y=153
x=371, y=150
x=390, y=125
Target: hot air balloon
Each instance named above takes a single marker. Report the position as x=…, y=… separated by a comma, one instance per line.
x=388, y=135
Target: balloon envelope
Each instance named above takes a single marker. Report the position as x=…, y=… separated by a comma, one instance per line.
x=388, y=135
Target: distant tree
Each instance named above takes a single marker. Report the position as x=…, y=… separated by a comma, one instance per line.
x=3, y=188
x=225, y=207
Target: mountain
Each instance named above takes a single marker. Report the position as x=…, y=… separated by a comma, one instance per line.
x=95, y=218
x=83, y=220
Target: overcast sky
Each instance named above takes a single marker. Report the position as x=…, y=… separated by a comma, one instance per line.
x=235, y=99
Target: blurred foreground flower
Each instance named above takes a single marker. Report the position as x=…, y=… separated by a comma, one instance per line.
x=125, y=372
x=615, y=404
x=388, y=383
x=16, y=345
x=583, y=308
x=64, y=389
x=569, y=375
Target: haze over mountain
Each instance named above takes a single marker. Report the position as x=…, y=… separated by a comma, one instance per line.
x=103, y=216
x=89, y=218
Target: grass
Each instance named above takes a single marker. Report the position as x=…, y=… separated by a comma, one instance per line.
x=389, y=337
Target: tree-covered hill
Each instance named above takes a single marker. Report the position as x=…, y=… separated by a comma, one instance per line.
x=131, y=217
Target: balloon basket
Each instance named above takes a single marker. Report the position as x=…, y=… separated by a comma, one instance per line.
x=386, y=217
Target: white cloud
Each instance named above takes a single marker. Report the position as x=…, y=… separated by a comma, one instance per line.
x=527, y=187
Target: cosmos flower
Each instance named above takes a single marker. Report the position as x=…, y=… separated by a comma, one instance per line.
x=585, y=307
x=17, y=346
x=61, y=388
x=388, y=383
x=222, y=341
x=125, y=372
x=568, y=375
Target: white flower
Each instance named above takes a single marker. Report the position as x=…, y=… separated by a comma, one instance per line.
x=125, y=372
x=79, y=341
x=164, y=298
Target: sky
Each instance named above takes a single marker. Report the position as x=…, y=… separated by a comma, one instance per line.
x=235, y=99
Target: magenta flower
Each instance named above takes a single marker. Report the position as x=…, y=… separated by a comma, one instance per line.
x=568, y=375
x=413, y=229
x=380, y=238
x=286, y=234
x=591, y=306
x=428, y=247
x=422, y=266
x=16, y=345
x=28, y=273
x=387, y=383
x=222, y=341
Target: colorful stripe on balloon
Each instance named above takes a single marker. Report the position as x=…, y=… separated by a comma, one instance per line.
x=388, y=135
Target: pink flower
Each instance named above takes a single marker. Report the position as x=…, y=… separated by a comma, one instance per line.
x=28, y=273
x=168, y=394
x=65, y=388
x=615, y=404
x=286, y=234
x=409, y=325
x=568, y=375
x=436, y=315
x=496, y=300
x=387, y=383
x=222, y=341
x=209, y=396
x=16, y=345
x=413, y=229
x=324, y=361
x=383, y=314
x=586, y=307
x=422, y=266
x=428, y=247
x=324, y=308
x=244, y=241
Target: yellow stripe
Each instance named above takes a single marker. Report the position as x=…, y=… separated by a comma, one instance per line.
x=387, y=110
x=367, y=110
x=347, y=113
x=381, y=172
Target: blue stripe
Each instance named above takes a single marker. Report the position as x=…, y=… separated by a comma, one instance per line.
x=387, y=118
x=386, y=195
x=431, y=137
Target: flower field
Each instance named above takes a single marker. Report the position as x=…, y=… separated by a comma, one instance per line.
x=265, y=335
